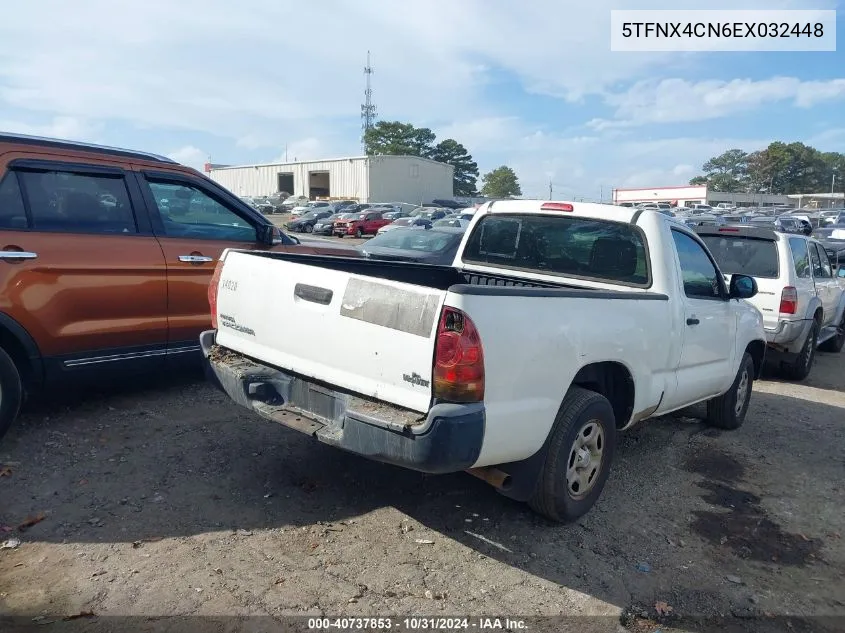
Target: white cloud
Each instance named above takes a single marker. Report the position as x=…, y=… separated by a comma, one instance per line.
x=255, y=72
x=58, y=127
x=830, y=140
x=678, y=100
x=591, y=166
x=254, y=77
x=305, y=149
x=190, y=155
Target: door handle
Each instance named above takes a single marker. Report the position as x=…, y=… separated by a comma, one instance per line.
x=195, y=259
x=17, y=255
x=693, y=321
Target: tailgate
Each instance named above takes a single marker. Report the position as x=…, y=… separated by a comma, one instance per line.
x=367, y=335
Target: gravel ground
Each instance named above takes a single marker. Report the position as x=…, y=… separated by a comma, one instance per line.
x=166, y=499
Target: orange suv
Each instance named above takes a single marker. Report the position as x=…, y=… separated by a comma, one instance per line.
x=105, y=259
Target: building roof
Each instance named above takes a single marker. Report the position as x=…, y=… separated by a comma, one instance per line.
x=80, y=146
x=328, y=160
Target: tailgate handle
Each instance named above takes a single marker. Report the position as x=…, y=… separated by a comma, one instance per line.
x=314, y=294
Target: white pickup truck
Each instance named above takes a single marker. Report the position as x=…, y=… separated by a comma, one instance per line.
x=558, y=325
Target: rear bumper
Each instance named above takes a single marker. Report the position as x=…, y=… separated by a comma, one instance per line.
x=788, y=336
x=446, y=439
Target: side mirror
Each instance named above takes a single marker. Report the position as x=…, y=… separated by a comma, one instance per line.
x=272, y=236
x=742, y=287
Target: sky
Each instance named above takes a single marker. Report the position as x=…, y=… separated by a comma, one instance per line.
x=531, y=85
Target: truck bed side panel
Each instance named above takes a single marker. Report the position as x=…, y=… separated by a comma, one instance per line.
x=534, y=346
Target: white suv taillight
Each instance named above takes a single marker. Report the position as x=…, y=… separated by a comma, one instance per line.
x=789, y=300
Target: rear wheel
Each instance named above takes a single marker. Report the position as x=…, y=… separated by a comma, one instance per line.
x=309, y=228
x=836, y=343
x=728, y=410
x=800, y=368
x=359, y=233
x=583, y=441
x=11, y=392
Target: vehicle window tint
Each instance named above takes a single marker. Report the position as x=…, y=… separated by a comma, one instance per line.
x=187, y=211
x=78, y=203
x=747, y=255
x=701, y=279
x=12, y=212
x=816, y=262
x=826, y=269
x=800, y=257
x=572, y=246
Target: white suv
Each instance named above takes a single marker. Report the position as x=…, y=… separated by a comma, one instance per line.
x=800, y=294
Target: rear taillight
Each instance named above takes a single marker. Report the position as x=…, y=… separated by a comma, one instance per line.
x=789, y=300
x=212, y=292
x=458, y=359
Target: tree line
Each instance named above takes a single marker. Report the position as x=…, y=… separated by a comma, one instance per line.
x=404, y=139
x=781, y=168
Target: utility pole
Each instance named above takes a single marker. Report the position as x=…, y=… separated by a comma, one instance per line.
x=832, y=181
x=550, y=188
x=286, y=152
x=601, y=194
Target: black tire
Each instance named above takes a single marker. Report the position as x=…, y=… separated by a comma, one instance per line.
x=309, y=228
x=553, y=496
x=800, y=368
x=359, y=233
x=11, y=392
x=835, y=344
x=728, y=410
x=339, y=236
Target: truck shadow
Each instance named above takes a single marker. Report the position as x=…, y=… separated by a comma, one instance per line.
x=684, y=503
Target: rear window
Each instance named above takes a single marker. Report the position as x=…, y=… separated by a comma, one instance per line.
x=746, y=255
x=571, y=246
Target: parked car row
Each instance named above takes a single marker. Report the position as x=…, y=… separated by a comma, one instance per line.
x=359, y=220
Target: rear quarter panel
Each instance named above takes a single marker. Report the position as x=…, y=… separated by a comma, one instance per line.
x=534, y=347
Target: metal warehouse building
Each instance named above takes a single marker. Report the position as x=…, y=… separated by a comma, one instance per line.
x=362, y=178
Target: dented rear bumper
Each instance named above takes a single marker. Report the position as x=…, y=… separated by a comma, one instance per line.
x=446, y=439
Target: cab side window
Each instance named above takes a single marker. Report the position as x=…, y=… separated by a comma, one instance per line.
x=69, y=202
x=700, y=276
x=189, y=212
x=12, y=211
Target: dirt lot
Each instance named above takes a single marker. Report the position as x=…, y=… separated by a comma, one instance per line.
x=166, y=499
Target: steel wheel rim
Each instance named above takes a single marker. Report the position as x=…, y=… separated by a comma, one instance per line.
x=741, y=392
x=586, y=457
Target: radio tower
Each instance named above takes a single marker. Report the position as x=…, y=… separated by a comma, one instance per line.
x=368, y=108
